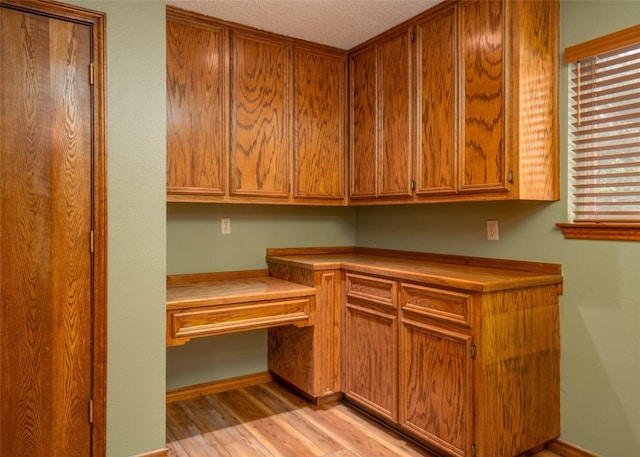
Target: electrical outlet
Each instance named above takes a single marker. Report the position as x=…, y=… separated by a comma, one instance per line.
x=492, y=230
x=225, y=226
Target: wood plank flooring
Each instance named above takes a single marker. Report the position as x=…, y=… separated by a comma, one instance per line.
x=268, y=420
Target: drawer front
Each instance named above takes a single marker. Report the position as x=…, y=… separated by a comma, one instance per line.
x=445, y=305
x=216, y=320
x=378, y=290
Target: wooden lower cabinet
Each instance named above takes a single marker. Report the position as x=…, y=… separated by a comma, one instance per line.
x=436, y=383
x=370, y=345
x=461, y=354
x=308, y=358
x=467, y=374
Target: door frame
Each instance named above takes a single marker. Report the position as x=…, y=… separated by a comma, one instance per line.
x=97, y=22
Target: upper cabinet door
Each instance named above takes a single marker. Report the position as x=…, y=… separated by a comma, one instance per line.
x=319, y=124
x=196, y=111
x=483, y=160
x=364, y=120
x=260, y=117
x=395, y=104
x=436, y=87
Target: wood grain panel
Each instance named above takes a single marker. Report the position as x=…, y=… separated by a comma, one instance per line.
x=319, y=124
x=444, y=305
x=45, y=221
x=436, y=148
x=370, y=360
x=196, y=112
x=364, y=114
x=519, y=363
x=260, y=117
x=372, y=289
x=483, y=66
x=217, y=320
x=537, y=99
x=436, y=387
x=396, y=105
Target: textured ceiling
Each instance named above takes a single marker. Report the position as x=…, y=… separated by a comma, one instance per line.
x=339, y=23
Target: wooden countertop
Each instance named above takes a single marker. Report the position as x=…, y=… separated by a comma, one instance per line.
x=211, y=290
x=459, y=272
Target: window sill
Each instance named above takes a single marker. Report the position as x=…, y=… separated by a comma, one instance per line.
x=602, y=231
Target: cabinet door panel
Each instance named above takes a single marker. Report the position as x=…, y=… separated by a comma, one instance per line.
x=394, y=75
x=370, y=364
x=259, y=117
x=436, y=386
x=483, y=160
x=436, y=86
x=319, y=125
x=196, y=116
x=364, y=112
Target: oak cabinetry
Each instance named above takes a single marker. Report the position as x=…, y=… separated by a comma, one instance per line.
x=252, y=116
x=196, y=108
x=260, y=79
x=309, y=358
x=436, y=367
x=509, y=77
x=381, y=114
x=208, y=304
x=370, y=344
x=460, y=353
x=319, y=113
x=436, y=98
x=484, y=113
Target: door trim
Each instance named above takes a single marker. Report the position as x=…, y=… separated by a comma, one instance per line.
x=97, y=22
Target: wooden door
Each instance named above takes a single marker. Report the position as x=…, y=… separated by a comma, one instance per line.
x=436, y=103
x=436, y=384
x=319, y=119
x=260, y=117
x=196, y=108
x=46, y=217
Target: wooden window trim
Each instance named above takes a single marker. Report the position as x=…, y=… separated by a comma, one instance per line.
x=600, y=231
x=603, y=44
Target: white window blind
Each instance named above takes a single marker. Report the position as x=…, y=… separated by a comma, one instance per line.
x=604, y=134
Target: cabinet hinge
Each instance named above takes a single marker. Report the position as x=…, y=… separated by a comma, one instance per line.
x=91, y=76
x=473, y=351
x=474, y=450
x=413, y=37
x=91, y=241
x=510, y=178
x=413, y=184
x=91, y=411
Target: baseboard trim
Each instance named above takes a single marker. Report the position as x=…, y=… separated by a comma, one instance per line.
x=214, y=387
x=566, y=449
x=157, y=453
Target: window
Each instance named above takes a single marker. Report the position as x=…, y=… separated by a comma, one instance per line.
x=604, y=137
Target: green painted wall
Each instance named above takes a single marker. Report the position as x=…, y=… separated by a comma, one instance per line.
x=600, y=308
x=194, y=245
x=136, y=129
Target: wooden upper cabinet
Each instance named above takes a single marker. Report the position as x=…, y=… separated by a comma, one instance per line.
x=363, y=118
x=509, y=77
x=381, y=116
x=483, y=161
x=396, y=103
x=436, y=99
x=260, y=117
x=196, y=109
x=319, y=124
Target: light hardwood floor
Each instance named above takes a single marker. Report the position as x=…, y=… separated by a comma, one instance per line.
x=268, y=420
